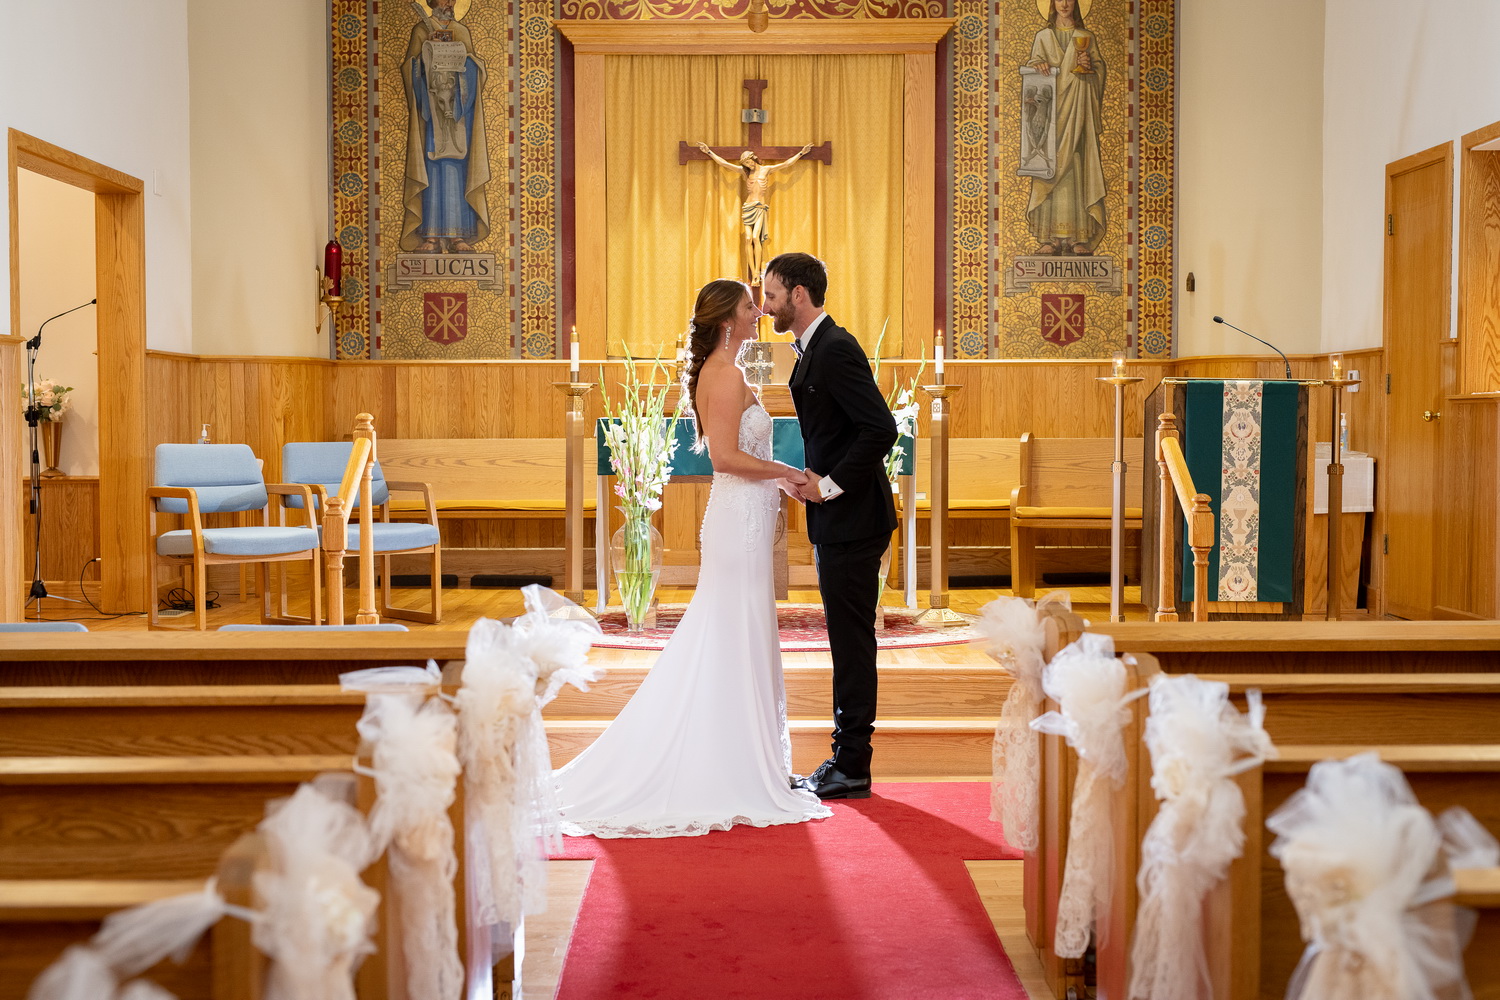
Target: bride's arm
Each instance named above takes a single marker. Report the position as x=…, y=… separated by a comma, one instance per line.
x=721, y=403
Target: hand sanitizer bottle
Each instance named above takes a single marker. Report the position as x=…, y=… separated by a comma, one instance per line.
x=203, y=435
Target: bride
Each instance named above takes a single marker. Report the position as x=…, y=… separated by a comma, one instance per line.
x=703, y=744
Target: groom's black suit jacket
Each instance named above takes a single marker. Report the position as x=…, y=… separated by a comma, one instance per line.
x=846, y=431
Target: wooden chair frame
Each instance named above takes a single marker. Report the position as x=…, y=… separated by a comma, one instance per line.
x=200, y=559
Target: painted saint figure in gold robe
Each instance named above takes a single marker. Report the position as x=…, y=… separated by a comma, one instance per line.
x=1066, y=214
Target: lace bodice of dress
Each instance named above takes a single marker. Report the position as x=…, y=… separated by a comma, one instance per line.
x=749, y=502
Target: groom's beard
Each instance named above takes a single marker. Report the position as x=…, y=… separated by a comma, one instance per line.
x=781, y=320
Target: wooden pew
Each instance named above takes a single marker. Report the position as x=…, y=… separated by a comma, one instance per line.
x=1479, y=889
x=981, y=475
x=482, y=480
x=289, y=659
x=1065, y=483
x=178, y=721
x=133, y=817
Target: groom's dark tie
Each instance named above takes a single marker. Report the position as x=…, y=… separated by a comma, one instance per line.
x=797, y=346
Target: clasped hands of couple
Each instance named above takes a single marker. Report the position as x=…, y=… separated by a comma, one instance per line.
x=802, y=486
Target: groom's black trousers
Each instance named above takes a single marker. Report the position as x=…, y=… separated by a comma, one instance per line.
x=847, y=577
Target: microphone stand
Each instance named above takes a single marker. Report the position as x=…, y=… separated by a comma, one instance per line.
x=34, y=417
x=1284, y=361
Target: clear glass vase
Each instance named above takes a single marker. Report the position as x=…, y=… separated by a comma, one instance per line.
x=636, y=554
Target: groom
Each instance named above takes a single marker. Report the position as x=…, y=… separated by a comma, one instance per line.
x=846, y=431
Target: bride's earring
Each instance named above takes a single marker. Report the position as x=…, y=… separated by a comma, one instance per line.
x=727, y=329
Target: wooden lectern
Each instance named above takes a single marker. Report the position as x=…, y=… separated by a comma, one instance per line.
x=1246, y=440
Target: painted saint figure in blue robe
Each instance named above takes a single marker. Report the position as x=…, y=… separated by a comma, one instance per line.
x=447, y=158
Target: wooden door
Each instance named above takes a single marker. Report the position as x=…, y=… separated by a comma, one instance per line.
x=1419, y=211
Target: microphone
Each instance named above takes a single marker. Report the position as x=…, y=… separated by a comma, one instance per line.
x=1284, y=361
x=35, y=343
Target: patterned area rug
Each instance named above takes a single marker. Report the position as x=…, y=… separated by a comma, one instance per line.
x=802, y=630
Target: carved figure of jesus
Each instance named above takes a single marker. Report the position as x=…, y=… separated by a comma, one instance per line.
x=755, y=209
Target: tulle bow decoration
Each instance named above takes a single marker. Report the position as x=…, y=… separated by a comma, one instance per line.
x=1198, y=743
x=1365, y=870
x=316, y=914
x=415, y=767
x=1016, y=638
x=510, y=672
x=130, y=942
x=1088, y=684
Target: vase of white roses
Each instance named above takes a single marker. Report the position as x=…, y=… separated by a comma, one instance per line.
x=642, y=438
x=902, y=401
x=49, y=402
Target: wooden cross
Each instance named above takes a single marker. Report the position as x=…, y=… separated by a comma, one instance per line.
x=755, y=116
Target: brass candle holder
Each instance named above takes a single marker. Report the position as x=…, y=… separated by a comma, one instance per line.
x=333, y=303
x=1336, y=493
x=1117, y=480
x=575, y=455
x=938, y=612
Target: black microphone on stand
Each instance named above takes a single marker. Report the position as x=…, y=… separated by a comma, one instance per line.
x=1220, y=319
x=33, y=419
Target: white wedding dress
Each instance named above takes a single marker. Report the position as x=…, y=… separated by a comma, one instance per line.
x=703, y=744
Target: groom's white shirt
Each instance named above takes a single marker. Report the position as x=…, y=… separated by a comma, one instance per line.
x=827, y=488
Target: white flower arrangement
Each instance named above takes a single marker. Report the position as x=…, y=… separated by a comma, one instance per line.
x=902, y=400
x=52, y=397
x=642, y=438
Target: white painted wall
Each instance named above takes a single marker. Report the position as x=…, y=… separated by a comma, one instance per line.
x=108, y=80
x=259, y=126
x=1399, y=77
x=1250, y=177
x=57, y=273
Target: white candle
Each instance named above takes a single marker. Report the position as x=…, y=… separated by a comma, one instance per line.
x=1119, y=371
x=937, y=360
x=573, y=356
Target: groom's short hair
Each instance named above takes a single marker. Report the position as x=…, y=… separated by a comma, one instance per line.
x=793, y=269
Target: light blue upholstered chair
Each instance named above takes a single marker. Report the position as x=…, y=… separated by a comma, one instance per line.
x=320, y=465
x=382, y=627
x=198, y=479
x=43, y=627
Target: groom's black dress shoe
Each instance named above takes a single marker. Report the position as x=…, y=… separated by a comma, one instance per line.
x=828, y=782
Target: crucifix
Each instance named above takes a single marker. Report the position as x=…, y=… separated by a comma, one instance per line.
x=755, y=161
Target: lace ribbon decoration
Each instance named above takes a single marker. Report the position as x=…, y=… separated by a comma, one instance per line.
x=1198, y=743
x=1364, y=868
x=1088, y=684
x=415, y=760
x=316, y=914
x=510, y=673
x=130, y=942
x=1016, y=635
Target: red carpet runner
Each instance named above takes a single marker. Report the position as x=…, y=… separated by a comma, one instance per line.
x=873, y=903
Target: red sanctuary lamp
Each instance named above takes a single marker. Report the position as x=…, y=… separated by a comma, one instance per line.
x=331, y=280
x=333, y=268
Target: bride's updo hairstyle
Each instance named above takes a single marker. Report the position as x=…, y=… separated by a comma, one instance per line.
x=717, y=303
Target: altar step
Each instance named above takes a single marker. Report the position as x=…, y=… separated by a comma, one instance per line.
x=904, y=748
x=935, y=720
x=906, y=692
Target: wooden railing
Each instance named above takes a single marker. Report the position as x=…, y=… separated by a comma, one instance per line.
x=358, y=473
x=1172, y=471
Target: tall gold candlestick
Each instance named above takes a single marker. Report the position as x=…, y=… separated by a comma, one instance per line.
x=1336, y=493
x=1117, y=478
x=576, y=453
x=938, y=612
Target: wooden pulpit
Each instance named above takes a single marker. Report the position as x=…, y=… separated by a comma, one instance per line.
x=1246, y=446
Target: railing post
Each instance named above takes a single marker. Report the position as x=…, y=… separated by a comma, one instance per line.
x=1201, y=532
x=364, y=427
x=1166, y=609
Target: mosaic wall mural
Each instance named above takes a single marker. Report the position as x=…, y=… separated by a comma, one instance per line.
x=451, y=180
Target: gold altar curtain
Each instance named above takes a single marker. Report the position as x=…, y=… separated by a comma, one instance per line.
x=672, y=228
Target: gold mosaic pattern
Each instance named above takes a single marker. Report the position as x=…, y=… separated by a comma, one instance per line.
x=969, y=236
x=537, y=155
x=349, y=181
x=1155, y=304
x=630, y=10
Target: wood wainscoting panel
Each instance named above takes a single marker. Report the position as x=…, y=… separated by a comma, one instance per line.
x=70, y=529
